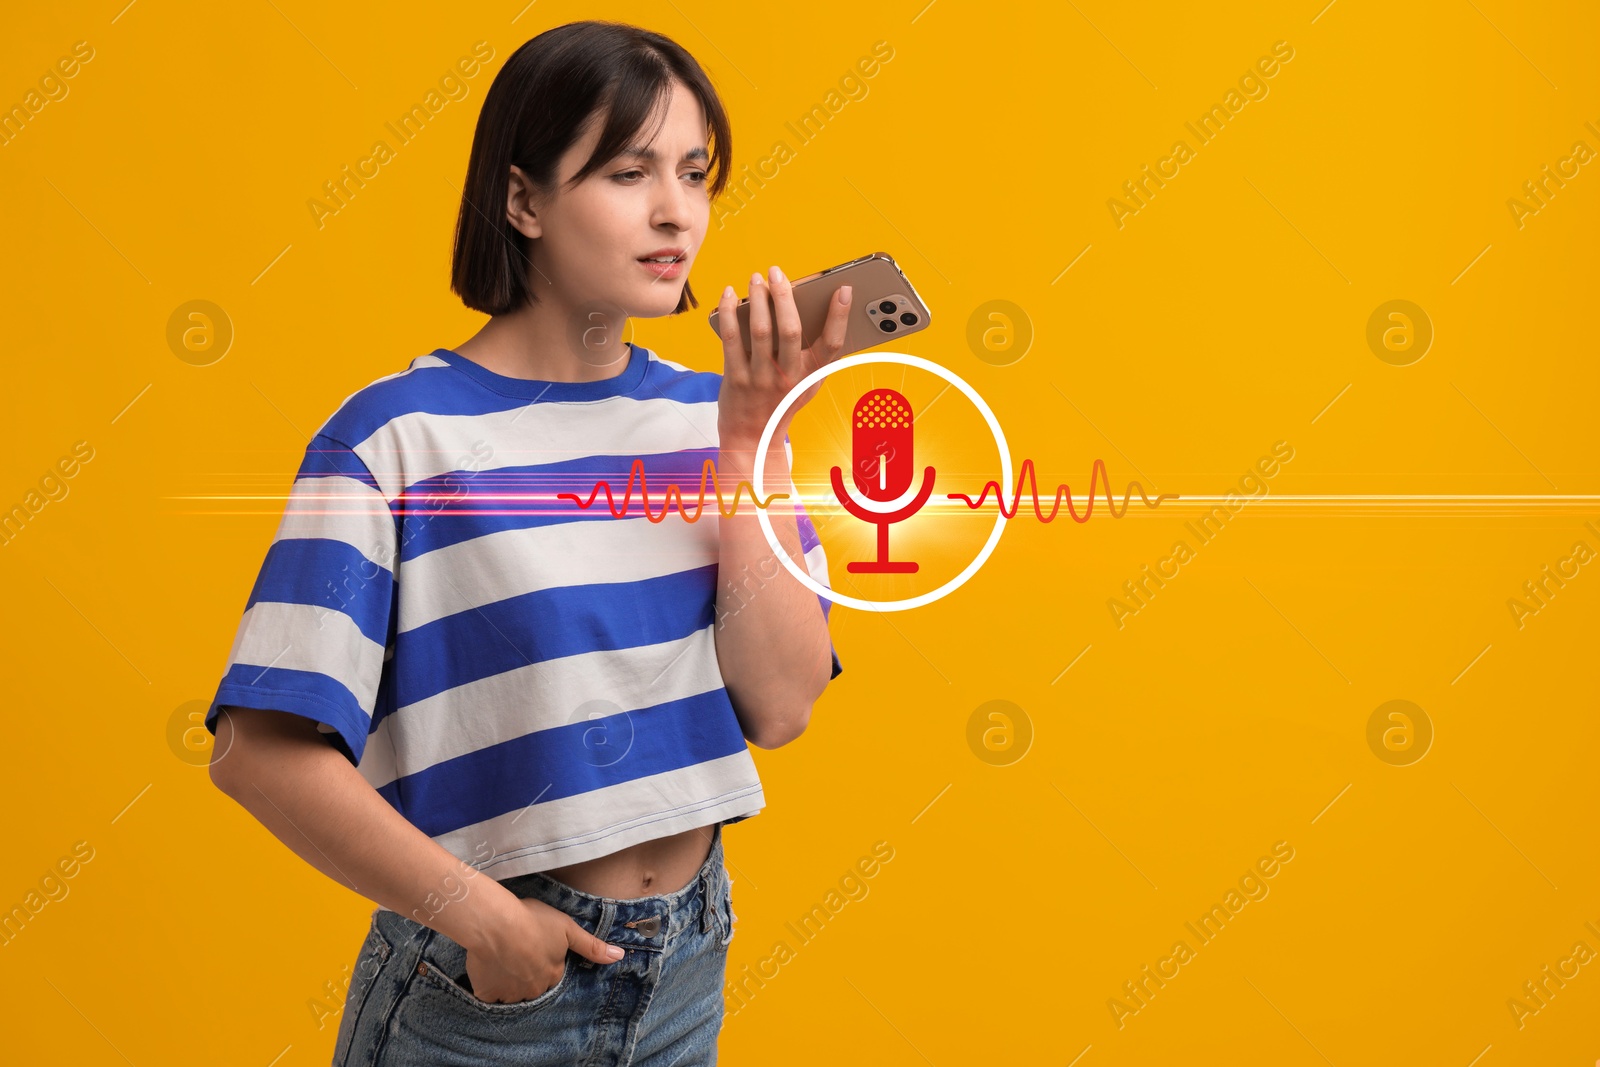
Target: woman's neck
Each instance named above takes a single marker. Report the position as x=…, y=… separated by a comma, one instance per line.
x=550, y=342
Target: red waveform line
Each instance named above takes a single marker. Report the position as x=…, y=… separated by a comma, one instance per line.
x=1026, y=471
x=673, y=493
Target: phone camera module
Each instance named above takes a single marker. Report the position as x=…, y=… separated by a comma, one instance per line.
x=885, y=310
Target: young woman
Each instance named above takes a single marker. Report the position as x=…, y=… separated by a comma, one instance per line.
x=517, y=723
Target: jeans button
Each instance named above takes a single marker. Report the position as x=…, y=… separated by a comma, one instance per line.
x=648, y=927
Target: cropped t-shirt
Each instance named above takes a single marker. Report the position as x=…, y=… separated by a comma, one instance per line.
x=530, y=683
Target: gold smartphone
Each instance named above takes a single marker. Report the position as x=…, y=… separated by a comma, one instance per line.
x=884, y=306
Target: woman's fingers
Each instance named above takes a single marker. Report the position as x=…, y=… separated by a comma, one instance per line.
x=763, y=370
x=776, y=357
x=831, y=343
x=790, y=353
x=735, y=360
x=591, y=947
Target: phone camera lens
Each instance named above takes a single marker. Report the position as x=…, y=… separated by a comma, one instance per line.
x=887, y=307
x=908, y=318
x=886, y=325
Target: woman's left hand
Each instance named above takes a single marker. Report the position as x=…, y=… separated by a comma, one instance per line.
x=755, y=382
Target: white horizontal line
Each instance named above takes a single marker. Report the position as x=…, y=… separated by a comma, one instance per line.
x=1441, y=497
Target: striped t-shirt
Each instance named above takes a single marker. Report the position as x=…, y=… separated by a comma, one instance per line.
x=530, y=683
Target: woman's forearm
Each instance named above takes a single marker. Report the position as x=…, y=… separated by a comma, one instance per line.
x=313, y=800
x=772, y=641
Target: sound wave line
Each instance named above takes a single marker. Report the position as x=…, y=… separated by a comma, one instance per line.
x=1026, y=471
x=673, y=492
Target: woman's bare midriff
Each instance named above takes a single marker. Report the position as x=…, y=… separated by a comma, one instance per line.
x=647, y=869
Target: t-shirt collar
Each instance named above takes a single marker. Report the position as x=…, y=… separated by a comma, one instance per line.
x=536, y=389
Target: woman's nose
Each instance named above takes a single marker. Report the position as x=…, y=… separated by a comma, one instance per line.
x=672, y=206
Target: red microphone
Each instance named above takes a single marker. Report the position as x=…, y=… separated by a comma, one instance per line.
x=880, y=445
x=882, y=469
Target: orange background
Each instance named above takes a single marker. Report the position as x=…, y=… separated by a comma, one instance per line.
x=1041, y=859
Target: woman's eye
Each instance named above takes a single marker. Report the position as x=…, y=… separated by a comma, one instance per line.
x=698, y=176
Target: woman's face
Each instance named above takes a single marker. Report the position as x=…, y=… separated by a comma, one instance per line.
x=593, y=237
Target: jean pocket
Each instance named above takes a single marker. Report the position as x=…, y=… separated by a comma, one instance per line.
x=438, y=976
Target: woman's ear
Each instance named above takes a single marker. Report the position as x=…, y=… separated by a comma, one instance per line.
x=522, y=202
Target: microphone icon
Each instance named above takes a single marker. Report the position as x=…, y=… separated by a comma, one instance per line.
x=880, y=455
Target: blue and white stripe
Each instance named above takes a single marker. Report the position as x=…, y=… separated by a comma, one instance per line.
x=529, y=683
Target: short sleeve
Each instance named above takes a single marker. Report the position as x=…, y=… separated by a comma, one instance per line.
x=313, y=637
x=816, y=558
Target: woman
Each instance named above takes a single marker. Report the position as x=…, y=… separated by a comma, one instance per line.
x=516, y=722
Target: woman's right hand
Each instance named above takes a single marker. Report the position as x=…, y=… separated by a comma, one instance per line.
x=528, y=954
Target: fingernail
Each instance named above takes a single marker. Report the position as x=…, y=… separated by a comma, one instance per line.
x=728, y=292
x=844, y=294
x=777, y=275
x=755, y=279
x=614, y=952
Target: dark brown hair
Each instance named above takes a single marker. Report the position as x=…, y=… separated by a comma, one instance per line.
x=538, y=106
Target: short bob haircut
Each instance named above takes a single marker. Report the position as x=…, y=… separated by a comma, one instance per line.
x=538, y=106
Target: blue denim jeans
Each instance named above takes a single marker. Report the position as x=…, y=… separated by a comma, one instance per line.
x=659, y=1006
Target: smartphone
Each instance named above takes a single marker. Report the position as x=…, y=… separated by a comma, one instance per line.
x=884, y=305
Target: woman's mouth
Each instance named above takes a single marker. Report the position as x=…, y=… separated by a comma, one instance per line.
x=665, y=264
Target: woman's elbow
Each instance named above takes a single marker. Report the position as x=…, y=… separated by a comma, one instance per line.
x=780, y=730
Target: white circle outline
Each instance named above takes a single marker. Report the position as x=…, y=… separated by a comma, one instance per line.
x=766, y=442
